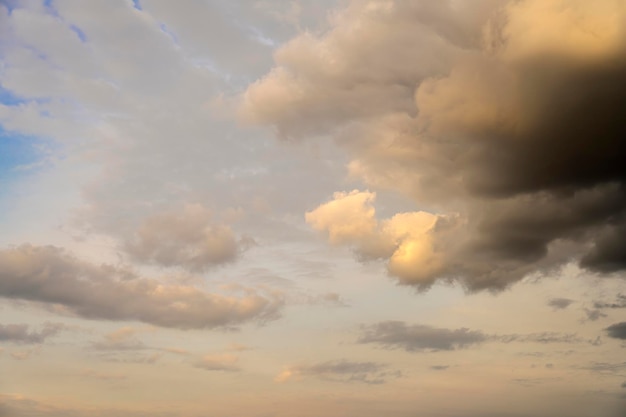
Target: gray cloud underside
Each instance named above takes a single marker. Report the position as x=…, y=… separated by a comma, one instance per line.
x=20, y=333
x=617, y=330
x=49, y=275
x=522, y=136
x=620, y=302
x=560, y=303
x=419, y=337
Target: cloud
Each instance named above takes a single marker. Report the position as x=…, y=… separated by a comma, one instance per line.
x=503, y=117
x=340, y=370
x=606, y=367
x=439, y=367
x=620, y=302
x=353, y=71
x=404, y=240
x=543, y=338
x=187, y=239
x=396, y=334
x=559, y=303
x=617, y=330
x=594, y=314
x=221, y=362
x=420, y=337
x=49, y=275
x=19, y=333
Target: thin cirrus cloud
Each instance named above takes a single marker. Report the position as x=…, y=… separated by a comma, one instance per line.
x=51, y=276
x=507, y=124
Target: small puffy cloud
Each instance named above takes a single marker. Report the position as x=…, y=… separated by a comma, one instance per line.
x=418, y=337
x=617, y=330
x=559, y=303
x=187, y=239
x=341, y=371
x=49, y=275
x=221, y=362
x=405, y=240
x=20, y=333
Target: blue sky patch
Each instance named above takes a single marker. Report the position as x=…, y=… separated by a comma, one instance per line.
x=8, y=98
x=81, y=35
x=19, y=155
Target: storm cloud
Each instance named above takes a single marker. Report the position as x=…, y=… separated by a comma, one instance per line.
x=68, y=285
x=507, y=122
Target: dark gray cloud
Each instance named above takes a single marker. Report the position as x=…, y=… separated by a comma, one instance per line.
x=617, y=330
x=396, y=334
x=518, y=139
x=343, y=371
x=48, y=275
x=20, y=333
x=559, y=303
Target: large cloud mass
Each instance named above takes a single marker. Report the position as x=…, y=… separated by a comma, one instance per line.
x=508, y=120
x=68, y=285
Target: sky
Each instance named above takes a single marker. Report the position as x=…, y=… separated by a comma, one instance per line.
x=294, y=208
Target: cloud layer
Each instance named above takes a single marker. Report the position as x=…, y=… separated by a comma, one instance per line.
x=68, y=285
x=506, y=119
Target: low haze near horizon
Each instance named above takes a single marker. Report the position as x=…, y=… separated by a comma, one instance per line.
x=338, y=208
